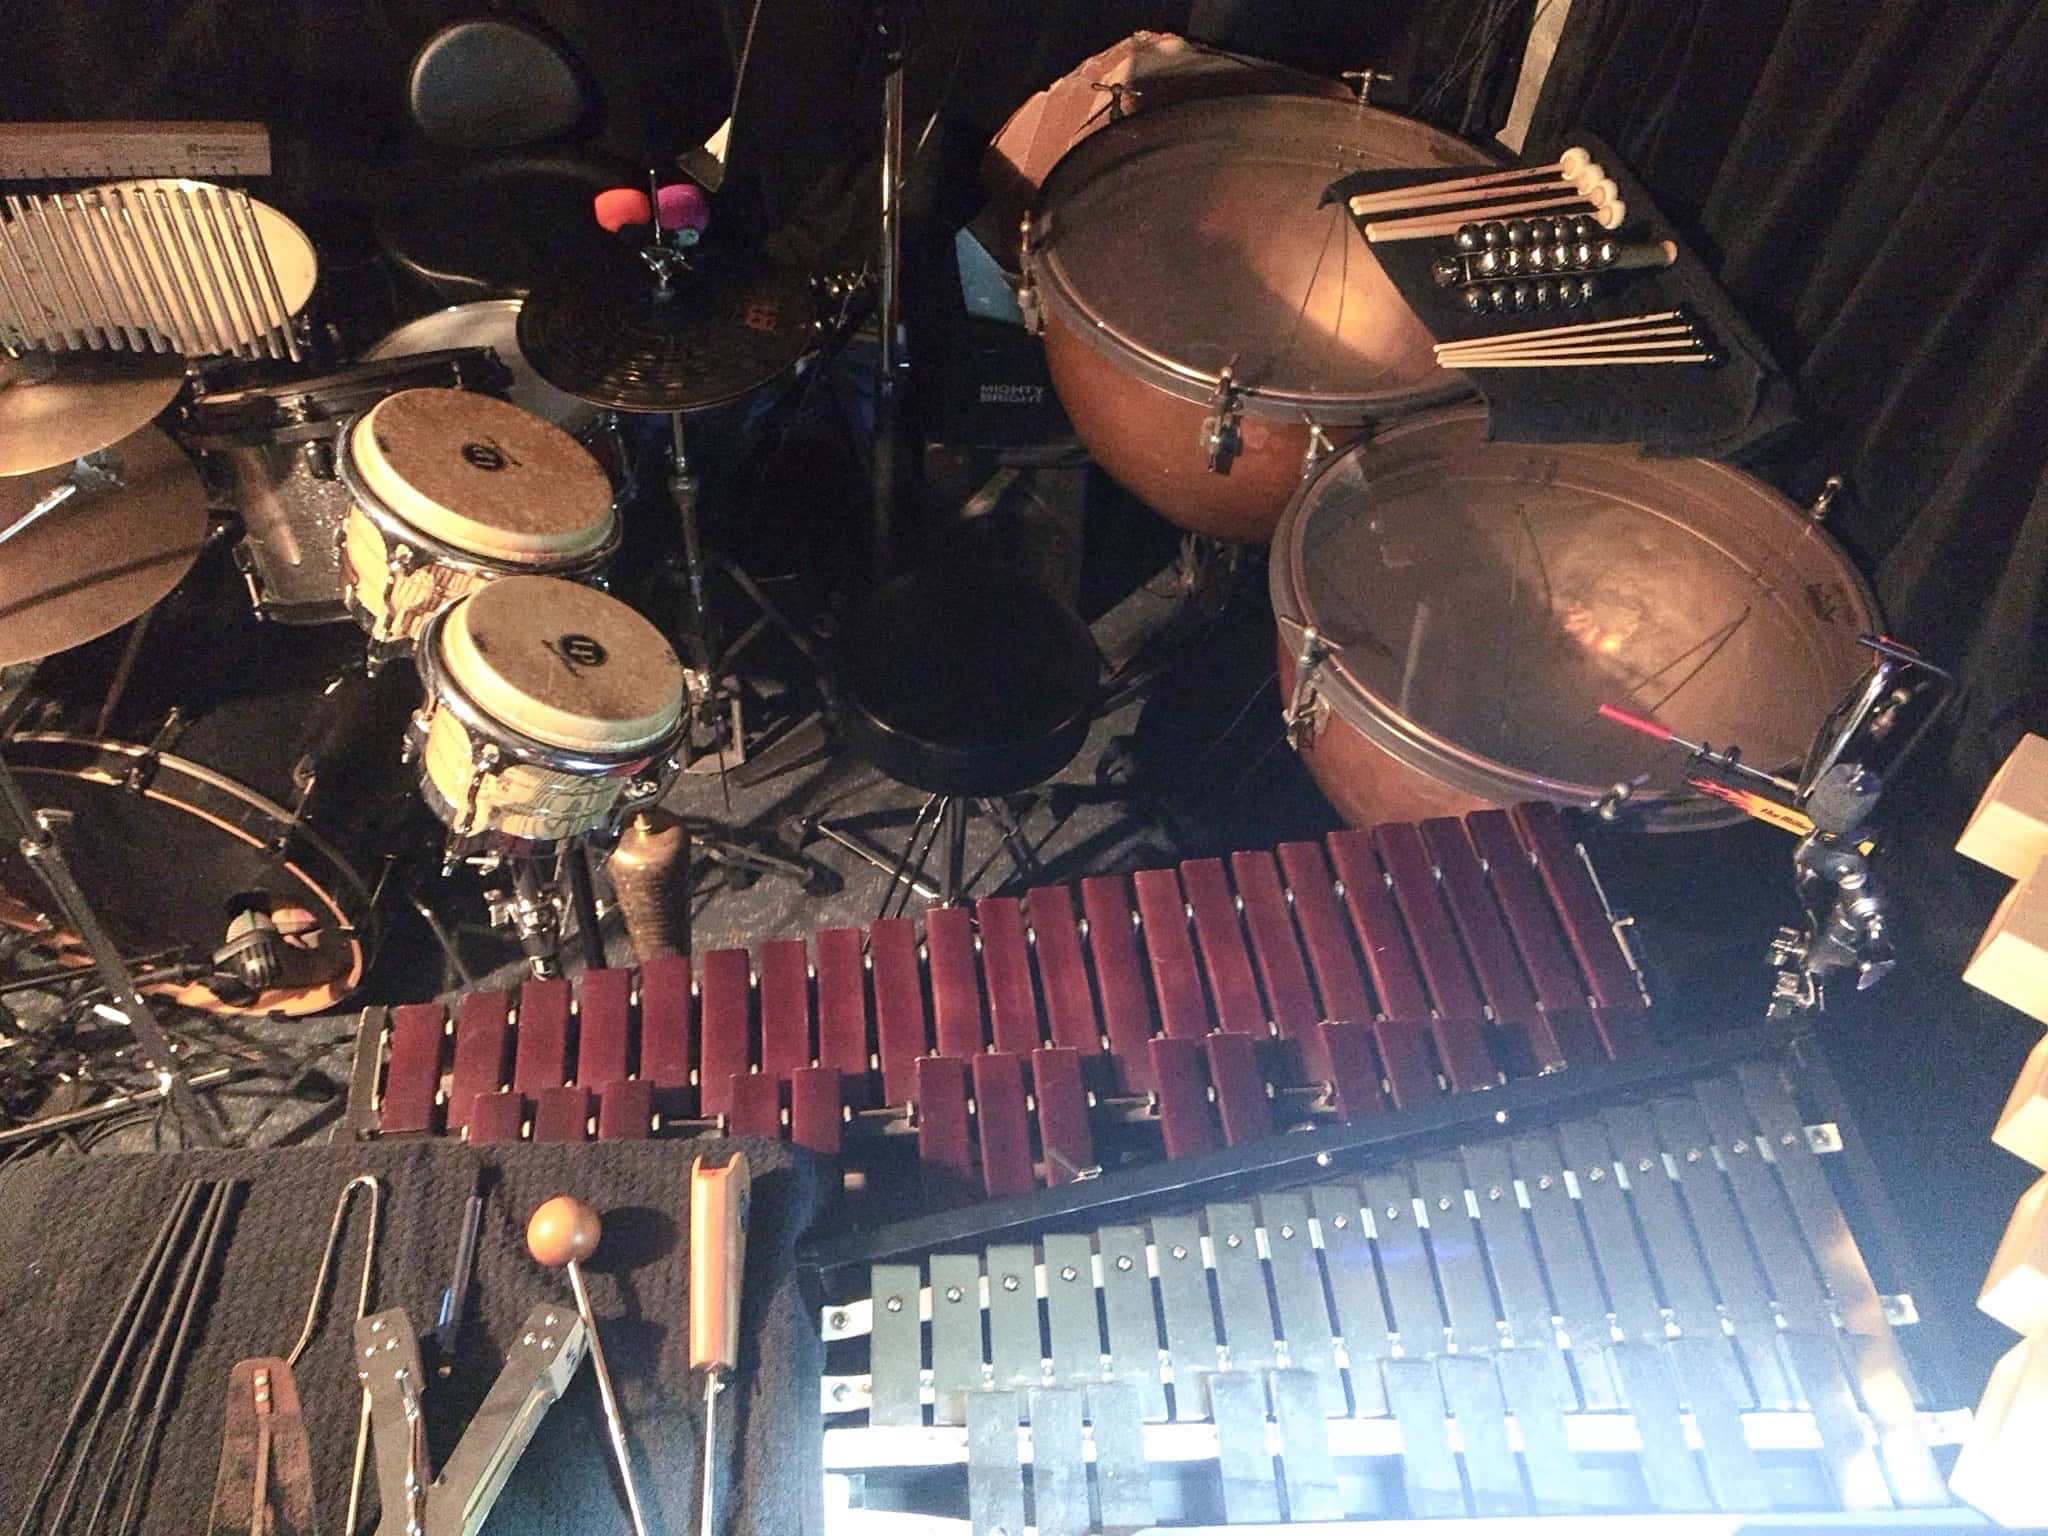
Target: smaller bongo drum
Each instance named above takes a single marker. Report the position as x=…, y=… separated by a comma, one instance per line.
x=450, y=490
x=550, y=708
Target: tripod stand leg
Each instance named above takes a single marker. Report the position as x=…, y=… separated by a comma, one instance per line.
x=954, y=814
x=1021, y=855
x=583, y=902
x=903, y=879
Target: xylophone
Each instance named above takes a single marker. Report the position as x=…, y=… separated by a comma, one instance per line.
x=1645, y=1301
x=1041, y=1038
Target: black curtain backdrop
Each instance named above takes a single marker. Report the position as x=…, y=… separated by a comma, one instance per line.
x=1867, y=178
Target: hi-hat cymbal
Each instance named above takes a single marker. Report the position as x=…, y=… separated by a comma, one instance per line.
x=83, y=405
x=104, y=555
x=604, y=331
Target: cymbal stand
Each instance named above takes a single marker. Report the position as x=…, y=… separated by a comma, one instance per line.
x=43, y=853
x=891, y=361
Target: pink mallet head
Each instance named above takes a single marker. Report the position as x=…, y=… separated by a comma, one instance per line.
x=682, y=205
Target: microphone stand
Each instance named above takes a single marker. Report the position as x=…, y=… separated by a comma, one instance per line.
x=891, y=362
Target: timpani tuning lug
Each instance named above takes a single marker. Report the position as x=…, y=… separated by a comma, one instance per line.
x=1221, y=439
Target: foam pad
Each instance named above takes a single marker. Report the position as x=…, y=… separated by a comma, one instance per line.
x=2022, y=1127
x=2009, y=828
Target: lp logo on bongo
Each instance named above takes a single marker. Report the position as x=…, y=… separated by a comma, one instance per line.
x=487, y=455
x=579, y=651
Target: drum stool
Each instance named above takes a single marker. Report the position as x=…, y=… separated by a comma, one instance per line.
x=972, y=684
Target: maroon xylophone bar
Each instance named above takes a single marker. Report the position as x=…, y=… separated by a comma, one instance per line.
x=1209, y=1005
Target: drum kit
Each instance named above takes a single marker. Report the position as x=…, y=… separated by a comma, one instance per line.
x=1450, y=612
x=425, y=540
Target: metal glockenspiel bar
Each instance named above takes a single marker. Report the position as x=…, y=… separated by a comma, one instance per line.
x=1030, y=1041
x=1653, y=1306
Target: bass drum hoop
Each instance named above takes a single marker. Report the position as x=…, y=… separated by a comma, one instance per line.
x=236, y=810
x=1436, y=756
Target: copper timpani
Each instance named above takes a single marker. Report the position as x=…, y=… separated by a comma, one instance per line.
x=449, y=491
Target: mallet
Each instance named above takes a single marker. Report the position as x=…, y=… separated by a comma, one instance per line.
x=1567, y=165
x=560, y=1234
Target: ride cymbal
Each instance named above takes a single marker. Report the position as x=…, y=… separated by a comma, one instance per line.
x=84, y=404
x=104, y=555
x=605, y=331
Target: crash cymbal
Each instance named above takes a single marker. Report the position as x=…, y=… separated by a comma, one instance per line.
x=83, y=404
x=604, y=331
x=104, y=555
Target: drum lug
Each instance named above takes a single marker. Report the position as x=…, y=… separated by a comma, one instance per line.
x=1221, y=439
x=1319, y=446
x=143, y=772
x=319, y=457
x=1306, y=707
x=1829, y=490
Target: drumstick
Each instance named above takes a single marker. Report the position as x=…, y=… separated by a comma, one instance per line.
x=1594, y=360
x=1621, y=349
x=1635, y=336
x=1568, y=164
x=1586, y=186
x=1562, y=330
x=1429, y=226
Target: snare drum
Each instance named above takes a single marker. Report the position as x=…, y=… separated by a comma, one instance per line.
x=449, y=491
x=550, y=707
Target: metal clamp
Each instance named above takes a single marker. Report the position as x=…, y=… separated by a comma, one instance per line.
x=1306, y=705
x=1117, y=91
x=1221, y=439
x=1318, y=449
x=1028, y=304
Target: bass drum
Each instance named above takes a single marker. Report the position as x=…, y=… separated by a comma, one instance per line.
x=1480, y=601
x=492, y=323
x=1190, y=242
x=240, y=766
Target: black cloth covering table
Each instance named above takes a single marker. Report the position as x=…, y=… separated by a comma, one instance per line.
x=76, y=1232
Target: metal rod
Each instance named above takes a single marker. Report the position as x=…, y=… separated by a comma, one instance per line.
x=182, y=1289
x=890, y=867
x=181, y=1347
x=710, y=1473
x=126, y=222
x=889, y=304
x=253, y=291
x=248, y=210
x=96, y=1379
x=614, y=1424
x=238, y=308
x=195, y=248
x=117, y=337
x=120, y=1103
x=39, y=847
x=85, y=231
x=166, y=252
x=583, y=902
x=35, y=300
x=109, y=236
x=51, y=260
x=341, y=1202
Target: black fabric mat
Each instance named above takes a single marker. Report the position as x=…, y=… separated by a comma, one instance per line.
x=1725, y=412
x=76, y=1232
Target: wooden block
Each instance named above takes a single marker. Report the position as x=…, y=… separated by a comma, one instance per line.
x=1999, y=1470
x=2009, y=828
x=2016, y=1289
x=2023, y=1126
x=2011, y=962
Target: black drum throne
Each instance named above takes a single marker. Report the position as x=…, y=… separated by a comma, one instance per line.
x=974, y=685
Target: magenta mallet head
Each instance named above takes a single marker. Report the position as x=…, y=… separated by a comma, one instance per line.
x=681, y=205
